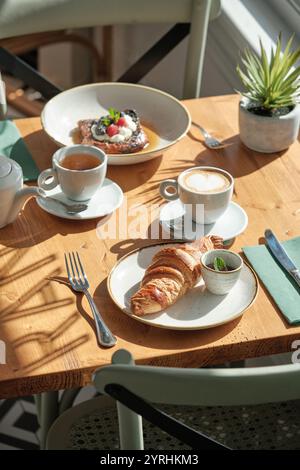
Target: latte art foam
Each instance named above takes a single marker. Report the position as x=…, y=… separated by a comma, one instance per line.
x=204, y=181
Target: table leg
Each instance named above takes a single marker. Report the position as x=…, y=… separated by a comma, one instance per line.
x=48, y=414
x=49, y=407
x=67, y=399
x=37, y=400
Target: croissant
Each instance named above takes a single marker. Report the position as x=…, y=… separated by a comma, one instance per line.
x=173, y=270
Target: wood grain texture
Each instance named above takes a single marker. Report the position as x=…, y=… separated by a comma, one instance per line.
x=48, y=330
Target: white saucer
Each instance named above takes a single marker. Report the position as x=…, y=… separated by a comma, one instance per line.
x=106, y=200
x=232, y=223
x=197, y=309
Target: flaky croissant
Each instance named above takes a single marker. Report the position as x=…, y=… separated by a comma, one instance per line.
x=174, y=270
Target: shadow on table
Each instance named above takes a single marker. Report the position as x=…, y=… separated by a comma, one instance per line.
x=228, y=157
x=133, y=176
x=44, y=337
x=47, y=357
x=18, y=307
x=121, y=248
x=13, y=305
x=33, y=226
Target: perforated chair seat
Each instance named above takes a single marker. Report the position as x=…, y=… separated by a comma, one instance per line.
x=94, y=425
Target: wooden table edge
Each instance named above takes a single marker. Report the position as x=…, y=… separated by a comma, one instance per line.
x=68, y=379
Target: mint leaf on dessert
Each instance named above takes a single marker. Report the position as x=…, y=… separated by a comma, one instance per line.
x=219, y=264
x=105, y=120
x=114, y=114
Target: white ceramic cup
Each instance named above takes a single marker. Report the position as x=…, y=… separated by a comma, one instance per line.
x=221, y=282
x=78, y=185
x=214, y=203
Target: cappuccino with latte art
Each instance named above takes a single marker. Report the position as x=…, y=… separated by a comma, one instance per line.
x=205, y=181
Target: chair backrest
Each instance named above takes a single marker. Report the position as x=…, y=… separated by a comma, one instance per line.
x=202, y=387
x=20, y=17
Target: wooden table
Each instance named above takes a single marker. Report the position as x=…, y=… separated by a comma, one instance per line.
x=48, y=331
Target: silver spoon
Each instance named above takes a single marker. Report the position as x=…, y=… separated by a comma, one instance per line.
x=209, y=140
x=70, y=208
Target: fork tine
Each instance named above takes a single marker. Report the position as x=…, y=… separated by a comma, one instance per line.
x=72, y=267
x=67, y=267
x=75, y=264
x=80, y=279
x=81, y=267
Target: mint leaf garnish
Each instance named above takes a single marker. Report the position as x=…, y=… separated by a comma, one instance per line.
x=219, y=264
x=114, y=114
x=105, y=120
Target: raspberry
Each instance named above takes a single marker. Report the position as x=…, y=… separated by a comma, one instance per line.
x=122, y=122
x=112, y=130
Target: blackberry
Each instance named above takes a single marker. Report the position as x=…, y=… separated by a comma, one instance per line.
x=100, y=129
x=132, y=113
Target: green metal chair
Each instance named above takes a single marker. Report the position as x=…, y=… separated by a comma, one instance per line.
x=20, y=17
x=248, y=408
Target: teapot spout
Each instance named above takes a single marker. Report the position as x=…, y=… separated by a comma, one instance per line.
x=19, y=200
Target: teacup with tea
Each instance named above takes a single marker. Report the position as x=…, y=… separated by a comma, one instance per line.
x=78, y=169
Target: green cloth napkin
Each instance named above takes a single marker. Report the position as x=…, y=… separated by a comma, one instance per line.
x=13, y=146
x=278, y=282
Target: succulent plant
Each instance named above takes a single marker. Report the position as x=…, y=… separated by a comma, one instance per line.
x=271, y=84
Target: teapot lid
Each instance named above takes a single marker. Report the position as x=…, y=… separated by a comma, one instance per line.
x=5, y=166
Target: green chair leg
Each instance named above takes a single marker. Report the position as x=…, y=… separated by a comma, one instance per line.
x=48, y=413
x=130, y=429
x=49, y=408
x=130, y=423
x=196, y=49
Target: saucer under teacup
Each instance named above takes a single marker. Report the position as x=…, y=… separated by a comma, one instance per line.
x=106, y=200
x=231, y=224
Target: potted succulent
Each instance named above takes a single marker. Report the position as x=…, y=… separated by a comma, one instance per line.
x=269, y=111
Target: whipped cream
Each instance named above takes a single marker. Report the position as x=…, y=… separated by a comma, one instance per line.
x=124, y=134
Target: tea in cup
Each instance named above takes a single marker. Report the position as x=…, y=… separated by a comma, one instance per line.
x=78, y=169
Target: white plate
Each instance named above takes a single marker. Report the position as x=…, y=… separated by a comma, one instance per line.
x=160, y=111
x=232, y=223
x=197, y=309
x=106, y=200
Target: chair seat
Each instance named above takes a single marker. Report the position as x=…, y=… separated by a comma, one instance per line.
x=94, y=425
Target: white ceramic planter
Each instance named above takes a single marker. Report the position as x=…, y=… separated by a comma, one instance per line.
x=268, y=134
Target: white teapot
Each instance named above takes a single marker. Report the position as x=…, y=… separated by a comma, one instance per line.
x=12, y=193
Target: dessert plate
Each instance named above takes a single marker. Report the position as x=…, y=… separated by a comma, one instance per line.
x=105, y=201
x=197, y=309
x=166, y=117
x=231, y=224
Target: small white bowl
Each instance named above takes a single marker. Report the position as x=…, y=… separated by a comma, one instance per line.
x=221, y=282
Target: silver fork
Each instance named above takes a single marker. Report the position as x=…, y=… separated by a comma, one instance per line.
x=80, y=283
x=209, y=140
